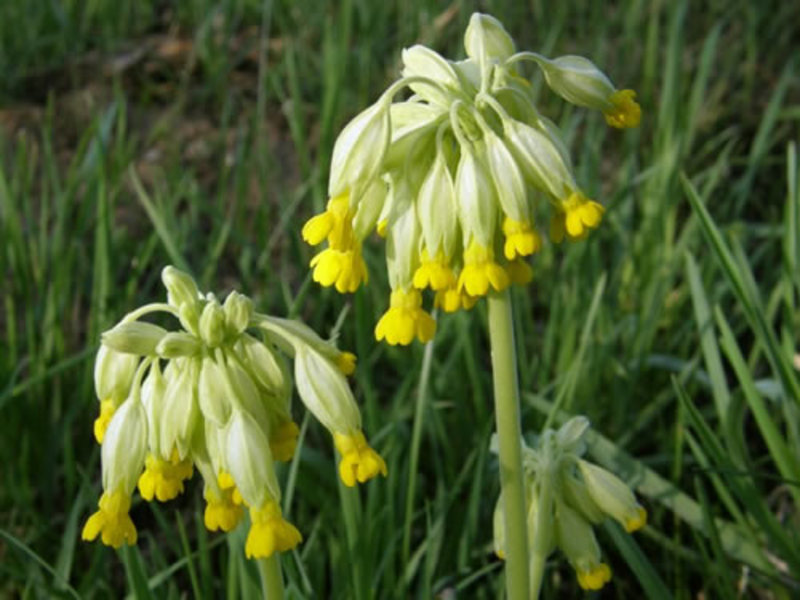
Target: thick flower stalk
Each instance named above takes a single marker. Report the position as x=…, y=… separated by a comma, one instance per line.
x=215, y=395
x=453, y=177
x=565, y=497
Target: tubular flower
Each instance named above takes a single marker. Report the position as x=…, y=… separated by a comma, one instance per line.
x=576, y=495
x=451, y=177
x=215, y=394
x=360, y=463
x=405, y=320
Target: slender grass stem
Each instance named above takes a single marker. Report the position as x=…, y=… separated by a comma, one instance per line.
x=271, y=579
x=416, y=440
x=506, y=402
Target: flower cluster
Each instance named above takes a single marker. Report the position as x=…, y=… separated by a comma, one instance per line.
x=565, y=496
x=452, y=176
x=216, y=397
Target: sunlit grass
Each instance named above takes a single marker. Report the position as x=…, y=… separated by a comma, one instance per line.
x=672, y=328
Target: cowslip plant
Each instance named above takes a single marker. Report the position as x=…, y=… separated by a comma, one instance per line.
x=565, y=496
x=453, y=177
x=215, y=395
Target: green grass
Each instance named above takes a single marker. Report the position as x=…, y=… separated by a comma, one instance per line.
x=673, y=327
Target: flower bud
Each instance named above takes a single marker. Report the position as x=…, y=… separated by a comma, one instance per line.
x=577, y=80
x=238, y=309
x=180, y=414
x=359, y=151
x=325, y=392
x=437, y=210
x=576, y=538
x=569, y=437
x=612, y=496
x=153, y=390
x=212, y=324
x=266, y=365
x=213, y=395
x=181, y=288
x=476, y=198
x=539, y=158
x=507, y=178
x=135, y=337
x=249, y=460
x=176, y=344
x=402, y=247
x=113, y=374
x=487, y=39
x=124, y=447
x=419, y=61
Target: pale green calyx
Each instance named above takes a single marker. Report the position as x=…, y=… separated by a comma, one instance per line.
x=487, y=39
x=135, y=337
x=113, y=374
x=566, y=496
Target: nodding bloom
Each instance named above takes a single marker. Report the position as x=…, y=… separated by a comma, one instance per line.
x=215, y=395
x=565, y=497
x=453, y=177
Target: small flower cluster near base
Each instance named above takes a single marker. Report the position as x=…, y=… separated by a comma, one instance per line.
x=565, y=497
x=452, y=177
x=215, y=395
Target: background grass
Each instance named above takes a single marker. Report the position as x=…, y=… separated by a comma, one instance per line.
x=134, y=134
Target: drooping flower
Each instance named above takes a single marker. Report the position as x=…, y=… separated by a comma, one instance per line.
x=215, y=395
x=566, y=496
x=453, y=176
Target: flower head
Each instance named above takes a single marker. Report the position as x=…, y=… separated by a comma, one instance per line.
x=453, y=176
x=566, y=496
x=215, y=395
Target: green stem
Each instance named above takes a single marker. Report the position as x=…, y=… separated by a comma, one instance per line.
x=416, y=440
x=540, y=549
x=506, y=402
x=271, y=578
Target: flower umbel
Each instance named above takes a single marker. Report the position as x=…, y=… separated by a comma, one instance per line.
x=454, y=175
x=216, y=395
x=566, y=495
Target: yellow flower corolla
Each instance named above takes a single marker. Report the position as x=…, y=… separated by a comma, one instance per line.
x=107, y=409
x=454, y=176
x=595, y=577
x=521, y=239
x=270, y=532
x=283, y=441
x=360, y=462
x=405, y=320
x=346, y=361
x=481, y=272
x=575, y=218
x=222, y=512
x=626, y=112
x=112, y=521
x=434, y=273
x=637, y=521
x=163, y=479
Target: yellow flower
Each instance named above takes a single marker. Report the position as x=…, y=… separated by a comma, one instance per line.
x=343, y=268
x=346, y=361
x=283, y=441
x=221, y=512
x=163, y=479
x=360, y=462
x=626, y=112
x=595, y=577
x=405, y=320
x=434, y=273
x=577, y=216
x=481, y=272
x=112, y=521
x=107, y=410
x=521, y=239
x=453, y=299
x=269, y=532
